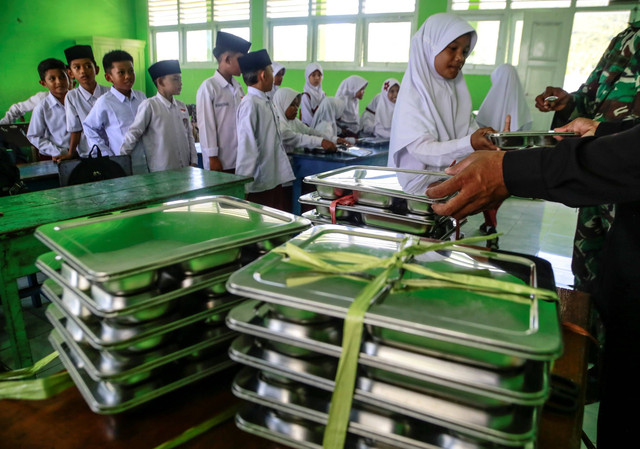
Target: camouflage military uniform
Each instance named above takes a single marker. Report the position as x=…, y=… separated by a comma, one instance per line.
x=611, y=93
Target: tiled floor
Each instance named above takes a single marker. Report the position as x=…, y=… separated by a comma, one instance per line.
x=532, y=227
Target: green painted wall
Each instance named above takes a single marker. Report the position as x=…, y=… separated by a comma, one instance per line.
x=33, y=30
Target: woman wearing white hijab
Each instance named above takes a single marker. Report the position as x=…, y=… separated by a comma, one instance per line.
x=432, y=124
x=368, y=117
x=293, y=132
x=385, y=108
x=351, y=91
x=278, y=73
x=326, y=117
x=312, y=94
x=506, y=97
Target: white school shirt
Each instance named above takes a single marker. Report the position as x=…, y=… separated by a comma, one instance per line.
x=108, y=122
x=216, y=105
x=47, y=128
x=20, y=109
x=260, y=151
x=78, y=104
x=165, y=130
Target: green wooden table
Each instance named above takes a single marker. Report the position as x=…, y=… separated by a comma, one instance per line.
x=22, y=214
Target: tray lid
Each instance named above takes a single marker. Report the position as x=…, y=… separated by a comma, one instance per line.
x=382, y=180
x=125, y=243
x=529, y=329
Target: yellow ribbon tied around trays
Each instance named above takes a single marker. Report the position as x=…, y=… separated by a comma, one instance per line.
x=356, y=266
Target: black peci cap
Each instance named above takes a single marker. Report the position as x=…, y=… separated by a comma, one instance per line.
x=162, y=68
x=256, y=60
x=230, y=42
x=78, y=52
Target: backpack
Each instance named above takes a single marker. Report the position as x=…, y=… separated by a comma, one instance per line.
x=10, y=183
x=91, y=169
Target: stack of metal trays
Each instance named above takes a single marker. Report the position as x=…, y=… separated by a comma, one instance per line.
x=139, y=298
x=438, y=367
x=380, y=202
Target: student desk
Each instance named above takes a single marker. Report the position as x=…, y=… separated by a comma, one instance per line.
x=40, y=175
x=66, y=421
x=306, y=164
x=22, y=214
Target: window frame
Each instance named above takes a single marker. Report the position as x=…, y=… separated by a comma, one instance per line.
x=510, y=17
x=182, y=30
x=361, y=20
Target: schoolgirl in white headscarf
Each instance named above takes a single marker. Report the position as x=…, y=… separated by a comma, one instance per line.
x=506, y=97
x=326, y=117
x=385, y=108
x=351, y=91
x=368, y=117
x=432, y=124
x=278, y=73
x=312, y=94
x=293, y=132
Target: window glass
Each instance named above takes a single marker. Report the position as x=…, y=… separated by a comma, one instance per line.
x=517, y=41
x=388, y=6
x=167, y=45
x=487, y=46
x=334, y=7
x=199, y=46
x=226, y=10
x=195, y=11
x=591, y=34
x=336, y=42
x=388, y=41
x=469, y=5
x=243, y=32
x=287, y=8
x=163, y=12
x=290, y=43
x=530, y=4
x=592, y=3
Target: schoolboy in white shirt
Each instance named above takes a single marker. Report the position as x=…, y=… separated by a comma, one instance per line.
x=47, y=128
x=83, y=68
x=216, y=103
x=18, y=110
x=260, y=151
x=163, y=124
x=113, y=113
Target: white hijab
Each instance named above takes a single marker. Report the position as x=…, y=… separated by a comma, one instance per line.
x=427, y=102
x=384, y=109
x=506, y=97
x=347, y=92
x=316, y=93
x=328, y=113
x=281, y=101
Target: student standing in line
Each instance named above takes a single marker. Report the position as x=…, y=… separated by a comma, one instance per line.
x=386, y=107
x=18, y=110
x=351, y=91
x=312, y=94
x=217, y=101
x=83, y=68
x=113, y=113
x=432, y=123
x=278, y=75
x=163, y=124
x=296, y=134
x=47, y=128
x=260, y=151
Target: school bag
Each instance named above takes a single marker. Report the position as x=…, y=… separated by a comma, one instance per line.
x=91, y=169
x=10, y=183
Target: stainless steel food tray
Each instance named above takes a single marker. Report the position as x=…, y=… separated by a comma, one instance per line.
x=379, y=184
x=370, y=422
x=102, y=304
x=104, y=365
x=526, y=384
x=481, y=418
x=128, y=247
x=106, y=397
x=103, y=335
x=527, y=139
x=373, y=141
x=457, y=318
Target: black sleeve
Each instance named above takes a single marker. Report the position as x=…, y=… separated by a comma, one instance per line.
x=578, y=172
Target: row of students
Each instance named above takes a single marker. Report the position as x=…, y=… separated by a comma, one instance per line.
x=74, y=122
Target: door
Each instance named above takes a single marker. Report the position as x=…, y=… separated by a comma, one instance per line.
x=543, y=57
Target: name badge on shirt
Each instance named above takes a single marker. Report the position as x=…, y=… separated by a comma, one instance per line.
x=219, y=105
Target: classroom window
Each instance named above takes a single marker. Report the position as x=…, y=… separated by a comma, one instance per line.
x=341, y=33
x=186, y=29
x=486, y=48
